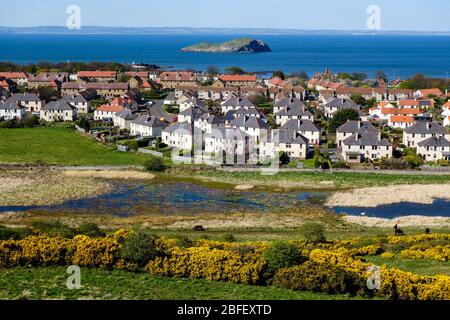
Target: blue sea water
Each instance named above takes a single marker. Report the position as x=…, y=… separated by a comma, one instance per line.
x=396, y=55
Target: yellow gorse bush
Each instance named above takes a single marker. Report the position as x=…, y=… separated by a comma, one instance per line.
x=244, y=262
x=438, y=253
x=213, y=261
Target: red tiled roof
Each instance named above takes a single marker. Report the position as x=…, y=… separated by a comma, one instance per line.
x=97, y=74
x=408, y=103
x=140, y=74
x=109, y=108
x=434, y=91
x=13, y=75
x=178, y=76
x=403, y=111
x=405, y=119
x=227, y=77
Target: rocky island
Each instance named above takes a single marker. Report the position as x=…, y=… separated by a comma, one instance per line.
x=242, y=45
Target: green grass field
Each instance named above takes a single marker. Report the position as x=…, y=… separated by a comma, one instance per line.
x=59, y=146
x=50, y=283
x=321, y=180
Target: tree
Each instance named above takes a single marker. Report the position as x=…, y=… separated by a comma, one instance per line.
x=279, y=74
x=381, y=75
x=358, y=76
x=358, y=99
x=282, y=254
x=284, y=158
x=212, y=70
x=155, y=164
x=341, y=117
x=313, y=232
x=234, y=70
x=84, y=123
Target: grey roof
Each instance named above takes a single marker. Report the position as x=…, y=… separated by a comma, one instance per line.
x=434, y=142
x=248, y=112
x=17, y=97
x=357, y=126
x=194, y=112
x=212, y=119
x=341, y=103
x=75, y=98
x=58, y=105
x=289, y=102
x=149, y=121
x=179, y=126
x=426, y=128
x=366, y=139
x=227, y=133
x=249, y=122
x=126, y=114
x=286, y=136
x=9, y=106
x=238, y=102
x=300, y=125
x=196, y=102
x=295, y=110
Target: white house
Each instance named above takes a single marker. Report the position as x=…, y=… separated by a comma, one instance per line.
x=290, y=141
x=179, y=135
x=420, y=131
x=306, y=128
x=207, y=122
x=147, y=126
x=365, y=146
x=191, y=103
x=434, y=149
x=30, y=101
x=10, y=111
x=253, y=126
x=229, y=145
x=293, y=112
x=351, y=127
x=58, y=111
x=80, y=102
x=106, y=112
x=235, y=103
x=400, y=122
x=123, y=118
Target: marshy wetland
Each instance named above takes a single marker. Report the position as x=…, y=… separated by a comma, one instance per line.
x=170, y=201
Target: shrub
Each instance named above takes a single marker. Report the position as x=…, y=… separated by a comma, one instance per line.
x=155, y=164
x=90, y=229
x=12, y=233
x=317, y=277
x=139, y=248
x=184, y=242
x=228, y=237
x=313, y=232
x=282, y=255
x=53, y=228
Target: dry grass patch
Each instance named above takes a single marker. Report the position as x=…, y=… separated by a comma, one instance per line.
x=376, y=196
x=119, y=174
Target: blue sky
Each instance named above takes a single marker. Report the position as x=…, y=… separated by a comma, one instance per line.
x=417, y=15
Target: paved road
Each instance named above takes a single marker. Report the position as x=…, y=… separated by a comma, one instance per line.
x=157, y=110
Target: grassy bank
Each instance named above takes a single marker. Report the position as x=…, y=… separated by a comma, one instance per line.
x=50, y=283
x=59, y=146
x=312, y=180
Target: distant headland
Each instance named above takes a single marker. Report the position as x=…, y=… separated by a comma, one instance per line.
x=241, y=45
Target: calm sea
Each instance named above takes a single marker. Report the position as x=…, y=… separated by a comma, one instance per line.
x=396, y=55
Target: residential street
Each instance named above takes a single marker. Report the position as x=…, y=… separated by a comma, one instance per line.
x=157, y=110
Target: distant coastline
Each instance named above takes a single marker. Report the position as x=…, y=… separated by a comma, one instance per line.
x=212, y=31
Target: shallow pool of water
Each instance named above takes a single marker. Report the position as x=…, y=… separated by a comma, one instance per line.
x=128, y=198
x=178, y=198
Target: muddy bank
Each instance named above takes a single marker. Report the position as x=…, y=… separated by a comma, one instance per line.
x=376, y=196
x=406, y=221
x=43, y=187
